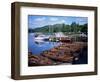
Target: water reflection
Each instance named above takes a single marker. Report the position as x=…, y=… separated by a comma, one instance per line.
x=39, y=43
x=38, y=46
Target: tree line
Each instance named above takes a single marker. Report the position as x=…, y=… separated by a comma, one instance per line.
x=74, y=27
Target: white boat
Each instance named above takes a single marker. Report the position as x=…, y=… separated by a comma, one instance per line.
x=41, y=37
x=83, y=35
x=60, y=34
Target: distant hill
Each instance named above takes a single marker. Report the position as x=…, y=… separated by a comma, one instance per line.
x=60, y=28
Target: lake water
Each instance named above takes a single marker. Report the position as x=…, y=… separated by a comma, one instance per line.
x=36, y=47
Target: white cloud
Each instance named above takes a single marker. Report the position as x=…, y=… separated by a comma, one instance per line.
x=53, y=19
x=40, y=19
x=81, y=19
x=58, y=22
x=63, y=21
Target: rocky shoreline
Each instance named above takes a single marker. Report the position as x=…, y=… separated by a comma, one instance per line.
x=64, y=53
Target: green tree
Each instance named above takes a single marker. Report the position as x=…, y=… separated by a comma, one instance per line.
x=73, y=27
x=84, y=28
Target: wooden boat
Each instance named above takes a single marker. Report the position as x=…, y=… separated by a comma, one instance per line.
x=66, y=52
x=34, y=60
x=65, y=39
x=59, y=55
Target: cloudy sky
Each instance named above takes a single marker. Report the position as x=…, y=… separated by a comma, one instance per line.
x=35, y=21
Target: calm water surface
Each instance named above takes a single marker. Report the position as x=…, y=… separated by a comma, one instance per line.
x=36, y=47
